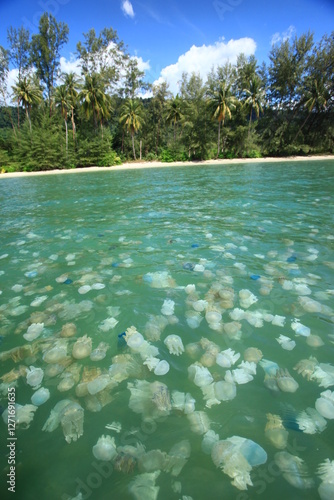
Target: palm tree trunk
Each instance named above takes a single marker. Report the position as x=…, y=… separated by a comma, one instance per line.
x=28, y=117
x=218, y=150
x=18, y=114
x=300, y=128
x=73, y=124
x=66, y=141
x=133, y=145
x=250, y=121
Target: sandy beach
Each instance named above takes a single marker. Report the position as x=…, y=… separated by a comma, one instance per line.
x=157, y=164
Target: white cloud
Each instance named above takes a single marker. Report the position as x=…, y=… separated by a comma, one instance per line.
x=127, y=8
x=70, y=66
x=285, y=35
x=202, y=59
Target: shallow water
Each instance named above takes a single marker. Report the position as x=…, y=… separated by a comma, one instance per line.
x=251, y=227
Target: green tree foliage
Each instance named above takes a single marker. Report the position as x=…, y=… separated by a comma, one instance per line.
x=27, y=93
x=132, y=119
x=19, y=49
x=45, y=50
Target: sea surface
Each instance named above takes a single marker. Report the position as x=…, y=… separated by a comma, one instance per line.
x=111, y=250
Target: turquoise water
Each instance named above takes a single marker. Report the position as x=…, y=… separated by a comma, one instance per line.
x=136, y=239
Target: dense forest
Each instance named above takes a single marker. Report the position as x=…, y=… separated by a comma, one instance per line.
x=52, y=120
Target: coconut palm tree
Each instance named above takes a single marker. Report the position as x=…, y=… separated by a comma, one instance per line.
x=173, y=112
x=132, y=119
x=93, y=96
x=254, y=99
x=222, y=103
x=71, y=81
x=25, y=92
x=315, y=97
x=62, y=100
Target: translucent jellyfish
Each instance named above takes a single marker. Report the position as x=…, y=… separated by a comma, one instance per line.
x=152, y=460
x=270, y=367
x=177, y=457
x=107, y=324
x=183, y=402
x=199, y=422
x=160, y=279
x=68, y=330
x=276, y=432
x=199, y=374
x=168, y=307
x=135, y=340
x=105, y=448
x=100, y=352
x=225, y=391
x=237, y=314
x=199, y=305
x=154, y=327
x=174, y=344
x=57, y=352
x=193, y=319
x=324, y=375
x=143, y=486
x=326, y=473
x=238, y=376
x=253, y=354
x=98, y=384
x=189, y=289
x=246, y=298
x=310, y=421
x=82, y=347
x=300, y=329
x=209, y=439
x=285, y=382
x=34, y=331
x=227, y=358
x=325, y=404
x=293, y=470
x=23, y=415
x=233, y=329
x=34, y=376
x=70, y=415
x=150, y=400
x=193, y=350
x=286, y=343
x=40, y=396
x=162, y=368
x=213, y=317
x=314, y=341
x=309, y=305
x=209, y=395
x=278, y=320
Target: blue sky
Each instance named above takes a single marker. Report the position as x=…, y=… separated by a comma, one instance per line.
x=171, y=36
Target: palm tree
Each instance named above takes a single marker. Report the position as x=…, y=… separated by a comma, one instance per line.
x=93, y=96
x=62, y=101
x=222, y=103
x=316, y=97
x=25, y=92
x=255, y=98
x=173, y=112
x=131, y=118
x=72, y=84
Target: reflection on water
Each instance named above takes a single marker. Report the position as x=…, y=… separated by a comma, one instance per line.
x=169, y=332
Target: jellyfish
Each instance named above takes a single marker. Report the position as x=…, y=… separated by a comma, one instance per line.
x=300, y=329
x=199, y=374
x=105, y=448
x=68, y=330
x=168, y=307
x=82, y=347
x=209, y=395
x=225, y=391
x=314, y=341
x=162, y=368
x=34, y=376
x=285, y=382
x=276, y=432
x=293, y=470
x=238, y=376
x=107, y=324
x=177, y=457
x=34, y=331
x=199, y=305
x=237, y=314
x=143, y=486
x=325, y=404
x=24, y=415
x=324, y=375
x=227, y=358
x=100, y=352
x=209, y=439
x=310, y=421
x=174, y=344
x=154, y=327
x=183, y=402
x=199, y=422
x=40, y=396
x=246, y=298
x=326, y=473
x=228, y=457
x=70, y=415
x=152, y=460
x=286, y=343
x=57, y=353
x=98, y=384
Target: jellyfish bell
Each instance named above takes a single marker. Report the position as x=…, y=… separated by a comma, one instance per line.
x=275, y=431
x=325, y=404
x=174, y=344
x=57, y=353
x=82, y=347
x=246, y=298
x=105, y=448
x=285, y=382
x=68, y=330
x=253, y=354
x=40, y=396
x=162, y=368
x=227, y=358
x=199, y=374
x=225, y=391
x=34, y=376
x=34, y=331
x=293, y=470
x=209, y=439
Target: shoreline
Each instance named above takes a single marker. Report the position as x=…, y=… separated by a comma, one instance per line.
x=158, y=164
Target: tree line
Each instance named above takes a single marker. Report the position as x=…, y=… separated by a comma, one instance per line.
x=51, y=120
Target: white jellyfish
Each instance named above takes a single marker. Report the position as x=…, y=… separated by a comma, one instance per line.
x=57, y=352
x=177, y=457
x=209, y=439
x=300, y=329
x=199, y=422
x=227, y=358
x=98, y=384
x=34, y=331
x=286, y=343
x=168, y=307
x=68, y=330
x=326, y=473
x=162, y=368
x=70, y=415
x=40, y=396
x=276, y=432
x=285, y=382
x=34, y=376
x=225, y=391
x=310, y=421
x=246, y=298
x=174, y=344
x=82, y=347
x=199, y=374
x=105, y=448
x=325, y=404
x=24, y=415
x=100, y=352
x=143, y=486
x=293, y=470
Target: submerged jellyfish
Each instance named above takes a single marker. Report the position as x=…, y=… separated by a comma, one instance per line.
x=34, y=331
x=100, y=352
x=246, y=298
x=286, y=343
x=325, y=404
x=285, y=382
x=326, y=473
x=24, y=415
x=209, y=439
x=68, y=330
x=57, y=352
x=143, y=486
x=177, y=457
x=310, y=421
x=199, y=422
x=40, y=396
x=293, y=470
x=276, y=432
x=34, y=376
x=227, y=358
x=168, y=307
x=82, y=347
x=105, y=448
x=199, y=374
x=162, y=368
x=174, y=344
x=70, y=415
